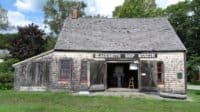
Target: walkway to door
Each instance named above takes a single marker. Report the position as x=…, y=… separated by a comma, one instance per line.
x=193, y=87
x=148, y=95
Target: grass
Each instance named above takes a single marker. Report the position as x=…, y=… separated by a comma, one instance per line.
x=11, y=101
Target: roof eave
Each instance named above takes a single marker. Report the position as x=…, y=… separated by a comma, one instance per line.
x=114, y=51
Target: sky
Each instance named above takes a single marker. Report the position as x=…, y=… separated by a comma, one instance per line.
x=23, y=12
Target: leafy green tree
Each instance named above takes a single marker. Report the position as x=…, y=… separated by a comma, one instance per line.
x=3, y=19
x=50, y=43
x=5, y=40
x=6, y=74
x=178, y=17
x=29, y=42
x=185, y=17
x=6, y=66
x=56, y=12
x=137, y=9
x=194, y=34
x=192, y=68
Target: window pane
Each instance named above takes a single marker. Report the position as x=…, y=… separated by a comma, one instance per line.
x=83, y=77
x=159, y=77
x=65, y=69
x=160, y=72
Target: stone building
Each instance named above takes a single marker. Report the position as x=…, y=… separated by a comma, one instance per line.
x=101, y=54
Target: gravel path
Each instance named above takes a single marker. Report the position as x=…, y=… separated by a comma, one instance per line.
x=193, y=87
x=132, y=95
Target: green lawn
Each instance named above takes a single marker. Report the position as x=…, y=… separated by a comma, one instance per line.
x=11, y=101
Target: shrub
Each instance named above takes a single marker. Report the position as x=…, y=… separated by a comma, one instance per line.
x=5, y=40
x=6, y=80
x=50, y=43
x=6, y=74
x=195, y=82
x=6, y=66
x=192, y=69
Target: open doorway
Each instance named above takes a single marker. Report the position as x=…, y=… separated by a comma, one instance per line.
x=119, y=75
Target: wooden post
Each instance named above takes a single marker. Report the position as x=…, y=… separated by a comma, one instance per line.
x=199, y=76
x=198, y=73
x=105, y=76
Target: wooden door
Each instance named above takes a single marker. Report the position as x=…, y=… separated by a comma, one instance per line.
x=97, y=75
x=36, y=74
x=148, y=76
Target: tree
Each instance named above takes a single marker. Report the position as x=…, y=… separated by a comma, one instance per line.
x=3, y=19
x=194, y=33
x=29, y=42
x=50, y=42
x=137, y=9
x=185, y=17
x=56, y=12
x=5, y=40
x=192, y=68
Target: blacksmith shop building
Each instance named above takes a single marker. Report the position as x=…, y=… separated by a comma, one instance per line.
x=100, y=54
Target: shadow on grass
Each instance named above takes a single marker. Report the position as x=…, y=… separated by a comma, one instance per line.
x=197, y=93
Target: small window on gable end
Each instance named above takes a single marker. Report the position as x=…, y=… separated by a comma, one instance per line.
x=179, y=75
x=160, y=72
x=65, y=69
x=84, y=69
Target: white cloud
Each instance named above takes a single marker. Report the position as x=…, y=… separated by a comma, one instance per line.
x=16, y=18
x=30, y=5
x=8, y=31
x=106, y=7
x=165, y=3
x=102, y=7
x=45, y=27
x=94, y=7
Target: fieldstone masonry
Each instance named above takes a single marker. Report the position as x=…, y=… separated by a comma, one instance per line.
x=173, y=64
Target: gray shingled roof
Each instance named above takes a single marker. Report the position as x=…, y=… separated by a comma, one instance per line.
x=89, y=34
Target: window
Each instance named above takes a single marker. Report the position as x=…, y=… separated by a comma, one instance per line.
x=160, y=72
x=84, y=67
x=179, y=75
x=65, y=69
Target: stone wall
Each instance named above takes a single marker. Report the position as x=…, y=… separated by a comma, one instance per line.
x=174, y=62
x=75, y=85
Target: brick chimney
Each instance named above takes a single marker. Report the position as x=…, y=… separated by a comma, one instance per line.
x=75, y=13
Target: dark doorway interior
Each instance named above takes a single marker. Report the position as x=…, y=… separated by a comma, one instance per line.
x=116, y=70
